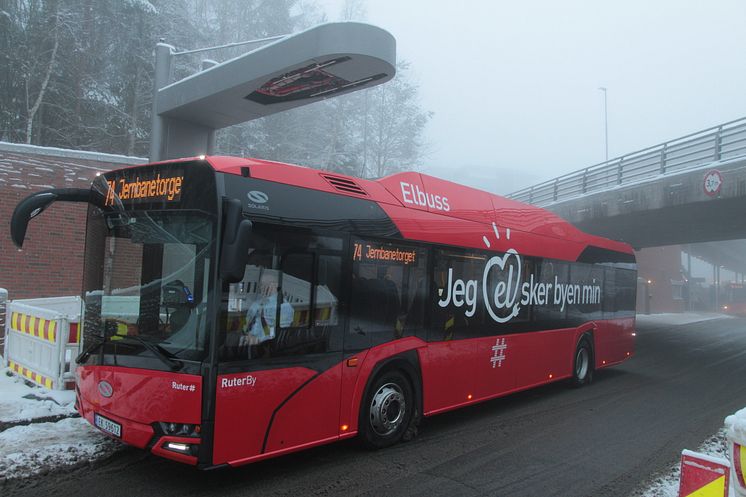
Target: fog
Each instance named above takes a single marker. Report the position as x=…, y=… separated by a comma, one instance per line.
x=514, y=85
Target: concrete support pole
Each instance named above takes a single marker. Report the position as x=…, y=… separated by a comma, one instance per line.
x=688, y=279
x=210, y=142
x=163, y=55
x=207, y=64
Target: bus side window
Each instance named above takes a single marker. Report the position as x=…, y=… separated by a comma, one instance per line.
x=626, y=287
x=375, y=303
x=388, y=293
x=295, y=290
x=288, y=301
x=587, y=305
x=326, y=312
x=609, y=298
x=463, y=318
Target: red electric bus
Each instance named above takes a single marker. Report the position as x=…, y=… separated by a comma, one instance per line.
x=239, y=309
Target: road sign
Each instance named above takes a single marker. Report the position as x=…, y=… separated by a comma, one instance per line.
x=713, y=182
x=703, y=475
x=321, y=62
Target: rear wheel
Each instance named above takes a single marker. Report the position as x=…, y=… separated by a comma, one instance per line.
x=583, y=365
x=387, y=411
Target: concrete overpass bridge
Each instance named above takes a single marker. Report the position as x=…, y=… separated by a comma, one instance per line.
x=691, y=189
x=689, y=193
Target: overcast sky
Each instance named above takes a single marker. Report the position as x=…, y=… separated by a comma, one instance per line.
x=514, y=84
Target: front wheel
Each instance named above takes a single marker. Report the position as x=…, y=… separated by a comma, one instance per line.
x=387, y=411
x=583, y=365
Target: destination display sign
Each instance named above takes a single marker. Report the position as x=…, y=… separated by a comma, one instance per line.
x=157, y=186
x=372, y=252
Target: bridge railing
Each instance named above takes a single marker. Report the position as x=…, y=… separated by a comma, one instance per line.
x=722, y=142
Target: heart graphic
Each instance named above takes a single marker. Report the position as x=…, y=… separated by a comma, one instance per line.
x=510, y=300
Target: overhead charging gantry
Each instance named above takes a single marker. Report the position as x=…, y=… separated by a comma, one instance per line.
x=286, y=72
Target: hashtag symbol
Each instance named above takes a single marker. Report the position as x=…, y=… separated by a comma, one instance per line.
x=498, y=353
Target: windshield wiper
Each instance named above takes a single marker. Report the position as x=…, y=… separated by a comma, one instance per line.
x=83, y=356
x=165, y=356
x=158, y=351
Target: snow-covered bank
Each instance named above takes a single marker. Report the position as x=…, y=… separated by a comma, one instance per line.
x=37, y=447
x=680, y=318
x=20, y=403
x=29, y=445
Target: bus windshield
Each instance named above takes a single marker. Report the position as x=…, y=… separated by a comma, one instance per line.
x=147, y=284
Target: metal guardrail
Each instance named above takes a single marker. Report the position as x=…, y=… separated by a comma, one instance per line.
x=722, y=142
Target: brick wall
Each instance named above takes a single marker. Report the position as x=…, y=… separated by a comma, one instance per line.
x=51, y=262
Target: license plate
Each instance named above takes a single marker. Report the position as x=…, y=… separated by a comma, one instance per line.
x=107, y=425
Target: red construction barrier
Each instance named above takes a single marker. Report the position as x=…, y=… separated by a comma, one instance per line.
x=42, y=339
x=703, y=475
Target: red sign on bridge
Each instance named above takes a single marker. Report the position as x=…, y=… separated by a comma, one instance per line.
x=713, y=182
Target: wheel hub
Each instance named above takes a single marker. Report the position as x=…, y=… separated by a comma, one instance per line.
x=581, y=364
x=387, y=409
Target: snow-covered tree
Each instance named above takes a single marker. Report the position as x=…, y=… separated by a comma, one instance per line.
x=78, y=74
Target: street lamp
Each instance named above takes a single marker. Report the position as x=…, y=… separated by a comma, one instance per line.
x=606, y=122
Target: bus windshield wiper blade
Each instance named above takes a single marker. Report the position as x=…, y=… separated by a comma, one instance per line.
x=83, y=356
x=166, y=357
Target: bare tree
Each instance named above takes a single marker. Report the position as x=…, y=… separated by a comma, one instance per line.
x=353, y=10
x=78, y=74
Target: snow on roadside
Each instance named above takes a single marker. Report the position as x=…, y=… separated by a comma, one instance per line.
x=28, y=445
x=667, y=485
x=30, y=449
x=19, y=402
x=680, y=318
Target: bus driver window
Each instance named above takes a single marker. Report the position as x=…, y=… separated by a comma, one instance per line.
x=262, y=314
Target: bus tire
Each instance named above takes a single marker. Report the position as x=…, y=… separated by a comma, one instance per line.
x=582, y=367
x=387, y=411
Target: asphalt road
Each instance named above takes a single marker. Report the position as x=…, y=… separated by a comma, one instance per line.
x=601, y=440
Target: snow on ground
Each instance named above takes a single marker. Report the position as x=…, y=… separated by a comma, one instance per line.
x=667, y=485
x=36, y=447
x=680, y=318
x=19, y=402
x=34, y=440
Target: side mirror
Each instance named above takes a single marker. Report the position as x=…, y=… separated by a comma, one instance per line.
x=34, y=204
x=235, y=247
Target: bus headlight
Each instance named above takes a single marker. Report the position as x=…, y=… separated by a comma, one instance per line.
x=179, y=447
x=179, y=429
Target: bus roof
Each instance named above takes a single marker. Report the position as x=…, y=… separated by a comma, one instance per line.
x=412, y=197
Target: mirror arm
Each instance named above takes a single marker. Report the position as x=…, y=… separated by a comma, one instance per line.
x=36, y=203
